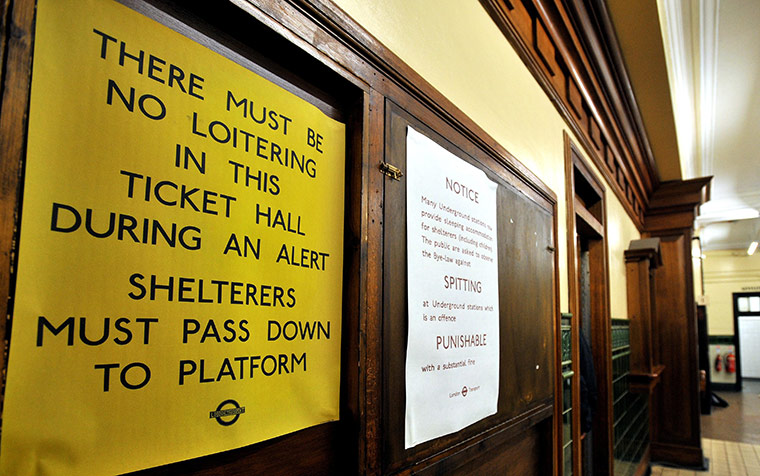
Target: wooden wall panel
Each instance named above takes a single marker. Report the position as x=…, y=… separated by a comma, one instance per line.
x=313, y=451
x=524, y=454
x=676, y=432
x=314, y=49
x=676, y=415
x=673, y=328
x=525, y=272
x=527, y=310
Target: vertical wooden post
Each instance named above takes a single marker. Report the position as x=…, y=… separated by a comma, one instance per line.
x=677, y=436
x=641, y=260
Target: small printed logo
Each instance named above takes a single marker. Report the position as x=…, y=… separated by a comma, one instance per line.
x=464, y=391
x=221, y=412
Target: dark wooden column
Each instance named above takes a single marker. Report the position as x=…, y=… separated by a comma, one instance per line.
x=641, y=260
x=676, y=436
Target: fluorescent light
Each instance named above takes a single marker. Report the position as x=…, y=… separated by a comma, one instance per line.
x=752, y=248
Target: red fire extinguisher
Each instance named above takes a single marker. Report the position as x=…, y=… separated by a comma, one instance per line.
x=730, y=362
x=718, y=362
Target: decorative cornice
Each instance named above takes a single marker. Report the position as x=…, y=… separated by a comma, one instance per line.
x=645, y=248
x=571, y=49
x=676, y=27
x=708, y=79
x=676, y=203
x=690, y=30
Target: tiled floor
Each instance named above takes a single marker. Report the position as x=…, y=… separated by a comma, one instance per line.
x=731, y=437
x=740, y=421
x=727, y=458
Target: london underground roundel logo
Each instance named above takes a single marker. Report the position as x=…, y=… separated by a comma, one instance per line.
x=225, y=410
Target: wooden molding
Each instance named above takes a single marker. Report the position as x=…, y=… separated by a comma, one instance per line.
x=645, y=248
x=683, y=455
x=645, y=382
x=571, y=49
x=689, y=193
x=675, y=204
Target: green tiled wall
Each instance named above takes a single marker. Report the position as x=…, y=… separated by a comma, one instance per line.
x=631, y=410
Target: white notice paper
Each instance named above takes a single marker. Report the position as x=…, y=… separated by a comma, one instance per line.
x=452, y=363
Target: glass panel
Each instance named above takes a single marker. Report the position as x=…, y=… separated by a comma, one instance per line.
x=754, y=304
x=568, y=460
x=743, y=304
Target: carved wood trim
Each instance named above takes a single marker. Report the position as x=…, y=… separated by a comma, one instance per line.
x=675, y=204
x=586, y=80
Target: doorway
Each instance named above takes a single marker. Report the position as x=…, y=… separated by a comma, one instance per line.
x=589, y=300
x=746, y=335
x=588, y=385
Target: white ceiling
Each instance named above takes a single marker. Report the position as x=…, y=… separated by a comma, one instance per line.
x=730, y=235
x=713, y=52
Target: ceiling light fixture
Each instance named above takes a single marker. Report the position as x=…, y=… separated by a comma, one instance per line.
x=752, y=248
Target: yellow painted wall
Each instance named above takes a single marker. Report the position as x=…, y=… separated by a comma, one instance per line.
x=457, y=48
x=725, y=273
x=620, y=232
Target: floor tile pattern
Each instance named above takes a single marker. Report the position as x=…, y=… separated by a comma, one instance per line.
x=731, y=440
x=726, y=458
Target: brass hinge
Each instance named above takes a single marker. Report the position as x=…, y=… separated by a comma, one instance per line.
x=391, y=171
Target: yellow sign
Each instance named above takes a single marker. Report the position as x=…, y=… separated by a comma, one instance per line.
x=180, y=261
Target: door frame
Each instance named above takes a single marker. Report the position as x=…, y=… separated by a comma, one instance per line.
x=737, y=346
x=586, y=217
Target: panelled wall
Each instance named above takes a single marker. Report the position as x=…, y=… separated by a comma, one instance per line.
x=326, y=58
x=503, y=85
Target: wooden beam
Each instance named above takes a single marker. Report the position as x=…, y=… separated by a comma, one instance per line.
x=588, y=220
